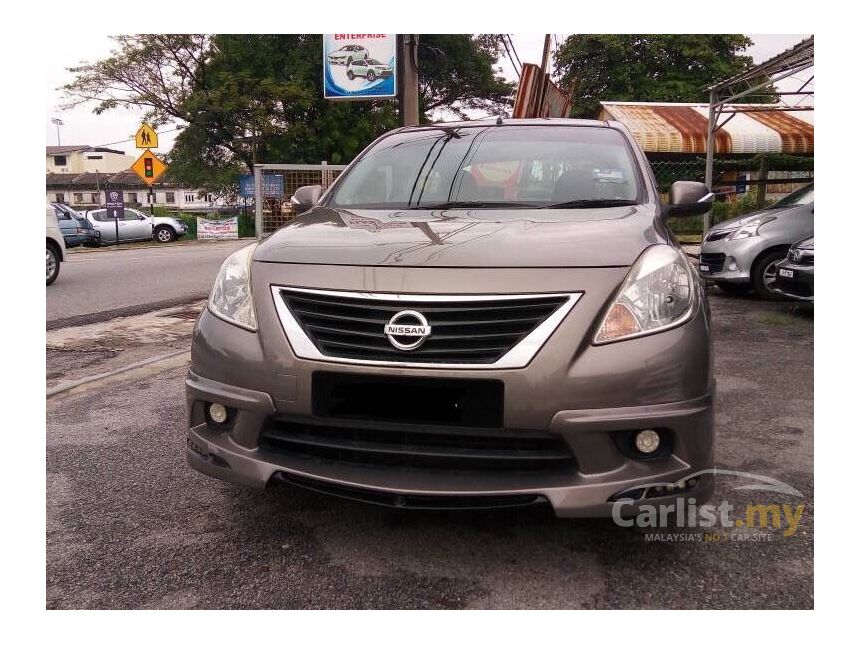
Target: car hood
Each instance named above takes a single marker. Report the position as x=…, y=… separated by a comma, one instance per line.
x=467, y=238
x=737, y=222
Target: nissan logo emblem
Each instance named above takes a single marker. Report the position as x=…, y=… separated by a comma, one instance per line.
x=407, y=330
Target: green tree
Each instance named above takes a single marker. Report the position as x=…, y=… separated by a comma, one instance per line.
x=457, y=72
x=247, y=99
x=658, y=67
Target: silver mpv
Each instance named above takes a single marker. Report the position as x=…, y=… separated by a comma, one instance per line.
x=743, y=252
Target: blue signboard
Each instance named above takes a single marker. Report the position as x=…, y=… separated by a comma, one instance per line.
x=273, y=185
x=359, y=66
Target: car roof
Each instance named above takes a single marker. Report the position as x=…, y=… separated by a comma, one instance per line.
x=492, y=121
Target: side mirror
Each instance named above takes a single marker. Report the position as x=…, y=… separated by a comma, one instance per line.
x=305, y=198
x=688, y=198
x=142, y=217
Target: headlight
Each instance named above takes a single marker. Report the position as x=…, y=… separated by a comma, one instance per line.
x=657, y=294
x=749, y=229
x=231, y=297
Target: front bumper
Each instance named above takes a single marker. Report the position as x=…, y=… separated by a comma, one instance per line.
x=234, y=455
x=730, y=260
x=800, y=285
x=574, y=390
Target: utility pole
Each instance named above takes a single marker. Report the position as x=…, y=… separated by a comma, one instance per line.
x=409, y=78
x=543, y=80
x=709, y=156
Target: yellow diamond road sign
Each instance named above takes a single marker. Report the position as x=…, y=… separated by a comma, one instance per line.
x=149, y=167
x=146, y=137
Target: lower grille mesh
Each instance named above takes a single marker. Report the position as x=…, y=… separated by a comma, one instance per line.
x=423, y=447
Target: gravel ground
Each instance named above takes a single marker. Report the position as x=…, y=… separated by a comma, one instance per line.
x=131, y=526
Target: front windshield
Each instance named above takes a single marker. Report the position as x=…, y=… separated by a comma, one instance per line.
x=372, y=61
x=502, y=166
x=800, y=197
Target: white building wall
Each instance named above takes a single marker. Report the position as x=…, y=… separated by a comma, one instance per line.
x=89, y=161
x=181, y=199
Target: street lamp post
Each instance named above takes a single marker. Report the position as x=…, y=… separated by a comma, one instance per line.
x=57, y=122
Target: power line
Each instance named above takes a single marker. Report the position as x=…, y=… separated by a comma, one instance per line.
x=511, y=58
x=514, y=49
x=113, y=143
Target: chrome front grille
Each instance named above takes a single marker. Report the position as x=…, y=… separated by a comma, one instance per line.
x=502, y=331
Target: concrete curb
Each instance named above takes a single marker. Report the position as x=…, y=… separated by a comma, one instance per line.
x=146, y=245
x=71, y=385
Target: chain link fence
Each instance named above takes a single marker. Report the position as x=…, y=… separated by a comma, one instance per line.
x=742, y=185
x=274, y=184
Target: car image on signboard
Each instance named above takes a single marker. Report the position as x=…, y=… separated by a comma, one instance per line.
x=348, y=53
x=370, y=68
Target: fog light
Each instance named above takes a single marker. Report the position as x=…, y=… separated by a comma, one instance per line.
x=647, y=441
x=218, y=413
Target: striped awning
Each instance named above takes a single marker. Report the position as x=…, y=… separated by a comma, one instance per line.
x=683, y=127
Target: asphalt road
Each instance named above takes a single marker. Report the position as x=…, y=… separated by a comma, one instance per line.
x=107, y=282
x=130, y=525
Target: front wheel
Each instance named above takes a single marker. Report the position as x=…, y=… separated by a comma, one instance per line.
x=350, y=75
x=165, y=234
x=763, y=275
x=52, y=264
x=371, y=76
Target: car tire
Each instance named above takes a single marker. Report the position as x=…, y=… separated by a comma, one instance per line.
x=733, y=287
x=763, y=274
x=371, y=76
x=349, y=74
x=165, y=234
x=52, y=264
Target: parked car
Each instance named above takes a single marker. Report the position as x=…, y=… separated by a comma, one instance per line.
x=135, y=226
x=370, y=68
x=743, y=252
x=77, y=230
x=346, y=54
x=795, y=275
x=55, y=246
x=476, y=314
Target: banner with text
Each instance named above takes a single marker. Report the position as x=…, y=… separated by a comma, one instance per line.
x=218, y=229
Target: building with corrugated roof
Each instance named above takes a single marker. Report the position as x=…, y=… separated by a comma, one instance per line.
x=754, y=147
x=683, y=128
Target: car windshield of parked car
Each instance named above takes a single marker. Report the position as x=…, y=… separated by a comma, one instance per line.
x=372, y=61
x=495, y=167
x=801, y=197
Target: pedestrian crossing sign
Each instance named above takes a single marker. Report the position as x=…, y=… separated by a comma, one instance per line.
x=146, y=137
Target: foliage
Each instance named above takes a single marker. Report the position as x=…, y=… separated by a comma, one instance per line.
x=247, y=99
x=655, y=67
x=456, y=72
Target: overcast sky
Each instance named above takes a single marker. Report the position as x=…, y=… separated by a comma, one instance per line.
x=81, y=126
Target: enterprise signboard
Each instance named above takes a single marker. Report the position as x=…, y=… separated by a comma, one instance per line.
x=359, y=66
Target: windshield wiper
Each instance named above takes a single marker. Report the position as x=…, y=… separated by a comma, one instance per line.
x=593, y=203
x=467, y=204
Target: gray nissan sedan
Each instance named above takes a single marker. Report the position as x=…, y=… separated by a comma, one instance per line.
x=474, y=315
